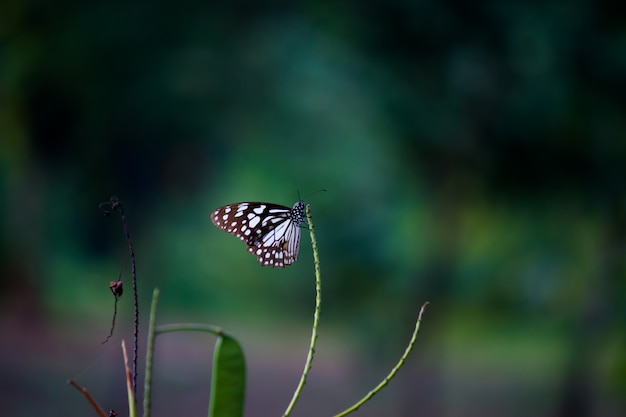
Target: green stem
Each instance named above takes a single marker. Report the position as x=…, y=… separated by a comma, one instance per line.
x=147, y=388
x=393, y=371
x=153, y=331
x=316, y=317
x=189, y=327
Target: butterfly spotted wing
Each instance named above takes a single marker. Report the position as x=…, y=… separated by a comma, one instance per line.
x=271, y=231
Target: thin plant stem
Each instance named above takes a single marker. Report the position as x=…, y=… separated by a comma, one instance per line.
x=89, y=398
x=117, y=205
x=132, y=402
x=147, y=387
x=133, y=271
x=189, y=327
x=316, y=317
x=112, y=321
x=393, y=372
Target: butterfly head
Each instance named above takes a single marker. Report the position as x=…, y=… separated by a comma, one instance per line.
x=298, y=213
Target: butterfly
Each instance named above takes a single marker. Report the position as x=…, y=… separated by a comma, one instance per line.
x=271, y=231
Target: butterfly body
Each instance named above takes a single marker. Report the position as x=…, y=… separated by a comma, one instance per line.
x=271, y=231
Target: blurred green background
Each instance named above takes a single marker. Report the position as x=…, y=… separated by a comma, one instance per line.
x=474, y=156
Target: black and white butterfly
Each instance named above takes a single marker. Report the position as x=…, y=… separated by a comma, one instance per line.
x=271, y=231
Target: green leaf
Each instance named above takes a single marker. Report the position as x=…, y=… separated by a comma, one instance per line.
x=228, y=382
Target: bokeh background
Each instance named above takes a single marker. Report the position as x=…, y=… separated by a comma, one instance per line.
x=474, y=156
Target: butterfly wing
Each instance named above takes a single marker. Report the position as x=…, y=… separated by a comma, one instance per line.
x=271, y=231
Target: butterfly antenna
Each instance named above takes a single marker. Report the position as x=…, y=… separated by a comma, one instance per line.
x=314, y=192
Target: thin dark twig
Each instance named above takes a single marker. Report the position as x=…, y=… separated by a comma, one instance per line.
x=117, y=288
x=117, y=205
x=89, y=398
x=112, y=321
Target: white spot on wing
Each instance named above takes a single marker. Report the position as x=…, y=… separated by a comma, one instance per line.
x=255, y=221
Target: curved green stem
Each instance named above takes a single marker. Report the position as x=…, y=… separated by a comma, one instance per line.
x=393, y=372
x=316, y=317
x=227, y=385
